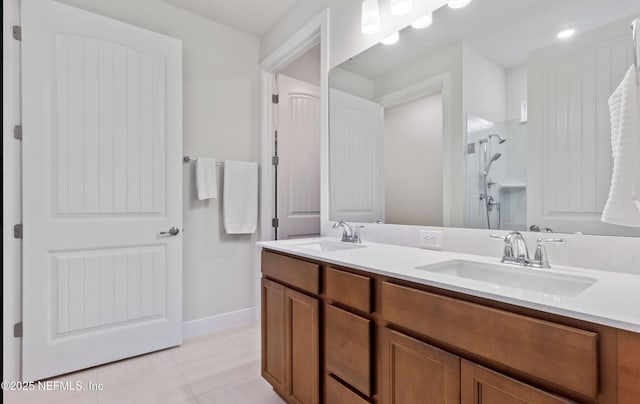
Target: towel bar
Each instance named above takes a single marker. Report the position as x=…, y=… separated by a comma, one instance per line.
x=187, y=159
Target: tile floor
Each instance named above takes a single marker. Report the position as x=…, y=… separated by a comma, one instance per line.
x=220, y=368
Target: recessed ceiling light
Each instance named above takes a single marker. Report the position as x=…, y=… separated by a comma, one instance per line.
x=391, y=39
x=423, y=22
x=400, y=7
x=459, y=3
x=566, y=34
x=370, y=23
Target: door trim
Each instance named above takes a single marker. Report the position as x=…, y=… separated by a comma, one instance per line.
x=11, y=193
x=313, y=33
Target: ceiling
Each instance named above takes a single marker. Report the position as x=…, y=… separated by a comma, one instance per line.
x=503, y=30
x=254, y=17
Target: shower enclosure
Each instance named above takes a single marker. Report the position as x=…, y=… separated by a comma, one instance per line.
x=496, y=175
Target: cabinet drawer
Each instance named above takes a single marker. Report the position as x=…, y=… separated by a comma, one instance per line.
x=563, y=356
x=350, y=289
x=480, y=385
x=348, y=348
x=336, y=393
x=297, y=273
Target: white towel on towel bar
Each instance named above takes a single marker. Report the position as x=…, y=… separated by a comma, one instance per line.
x=206, y=178
x=623, y=205
x=240, y=197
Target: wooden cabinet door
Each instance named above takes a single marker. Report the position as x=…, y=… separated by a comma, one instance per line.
x=481, y=385
x=302, y=348
x=413, y=372
x=273, y=334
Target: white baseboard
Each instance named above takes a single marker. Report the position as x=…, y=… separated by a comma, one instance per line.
x=219, y=322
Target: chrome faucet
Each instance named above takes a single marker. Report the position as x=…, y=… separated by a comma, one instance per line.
x=515, y=249
x=349, y=235
x=517, y=253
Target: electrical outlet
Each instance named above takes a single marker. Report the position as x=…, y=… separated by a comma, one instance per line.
x=431, y=240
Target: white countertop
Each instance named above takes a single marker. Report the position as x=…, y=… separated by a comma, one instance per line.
x=614, y=300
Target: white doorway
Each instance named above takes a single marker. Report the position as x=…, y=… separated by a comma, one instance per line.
x=311, y=35
x=297, y=145
x=413, y=147
x=102, y=190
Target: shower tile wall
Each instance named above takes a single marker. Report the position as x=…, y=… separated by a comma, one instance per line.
x=510, y=172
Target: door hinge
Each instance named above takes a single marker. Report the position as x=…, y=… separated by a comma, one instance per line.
x=275, y=160
x=16, y=31
x=275, y=98
x=17, y=132
x=275, y=222
x=17, y=231
x=17, y=330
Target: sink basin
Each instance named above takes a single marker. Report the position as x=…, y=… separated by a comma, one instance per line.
x=522, y=278
x=329, y=246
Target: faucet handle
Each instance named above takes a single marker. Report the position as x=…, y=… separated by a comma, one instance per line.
x=507, y=255
x=540, y=259
x=357, y=238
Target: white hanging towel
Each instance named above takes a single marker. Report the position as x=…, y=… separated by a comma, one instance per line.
x=623, y=205
x=240, y=197
x=206, y=181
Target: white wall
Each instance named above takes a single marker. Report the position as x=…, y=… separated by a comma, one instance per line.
x=351, y=83
x=413, y=162
x=484, y=86
x=345, y=38
x=516, y=91
x=305, y=68
x=220, y=68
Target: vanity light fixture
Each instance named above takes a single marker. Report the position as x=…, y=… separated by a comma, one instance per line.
x=459, y=3
x=423, y=22
x=566, y=34
x=391, y=39
x=370, y=23
x=401, y=7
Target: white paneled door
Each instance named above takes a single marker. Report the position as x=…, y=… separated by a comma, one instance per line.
x=569, y=140
x=299, y=150
x=356, y=165
x=102, y=122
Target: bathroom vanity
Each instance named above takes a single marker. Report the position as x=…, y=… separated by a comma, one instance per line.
x=387, y=324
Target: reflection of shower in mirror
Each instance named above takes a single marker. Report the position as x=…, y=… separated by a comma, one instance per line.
x=487, y=183
x=496, y=176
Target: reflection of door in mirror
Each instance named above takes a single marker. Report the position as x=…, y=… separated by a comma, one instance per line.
x=355, y=147
x=569, y=122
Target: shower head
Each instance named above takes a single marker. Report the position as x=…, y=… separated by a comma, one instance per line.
x=494, y=158
x=501, y=140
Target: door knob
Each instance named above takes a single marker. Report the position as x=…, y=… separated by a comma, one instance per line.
x=172, y=232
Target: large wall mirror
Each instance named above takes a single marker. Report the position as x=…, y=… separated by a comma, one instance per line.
x=494, y=116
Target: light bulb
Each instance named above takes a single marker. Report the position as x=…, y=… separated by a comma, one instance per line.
x=391, y=39
x=459, y=3
x=423, y=22
x=566, y=34
x=400, y=7
x=370, y=23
